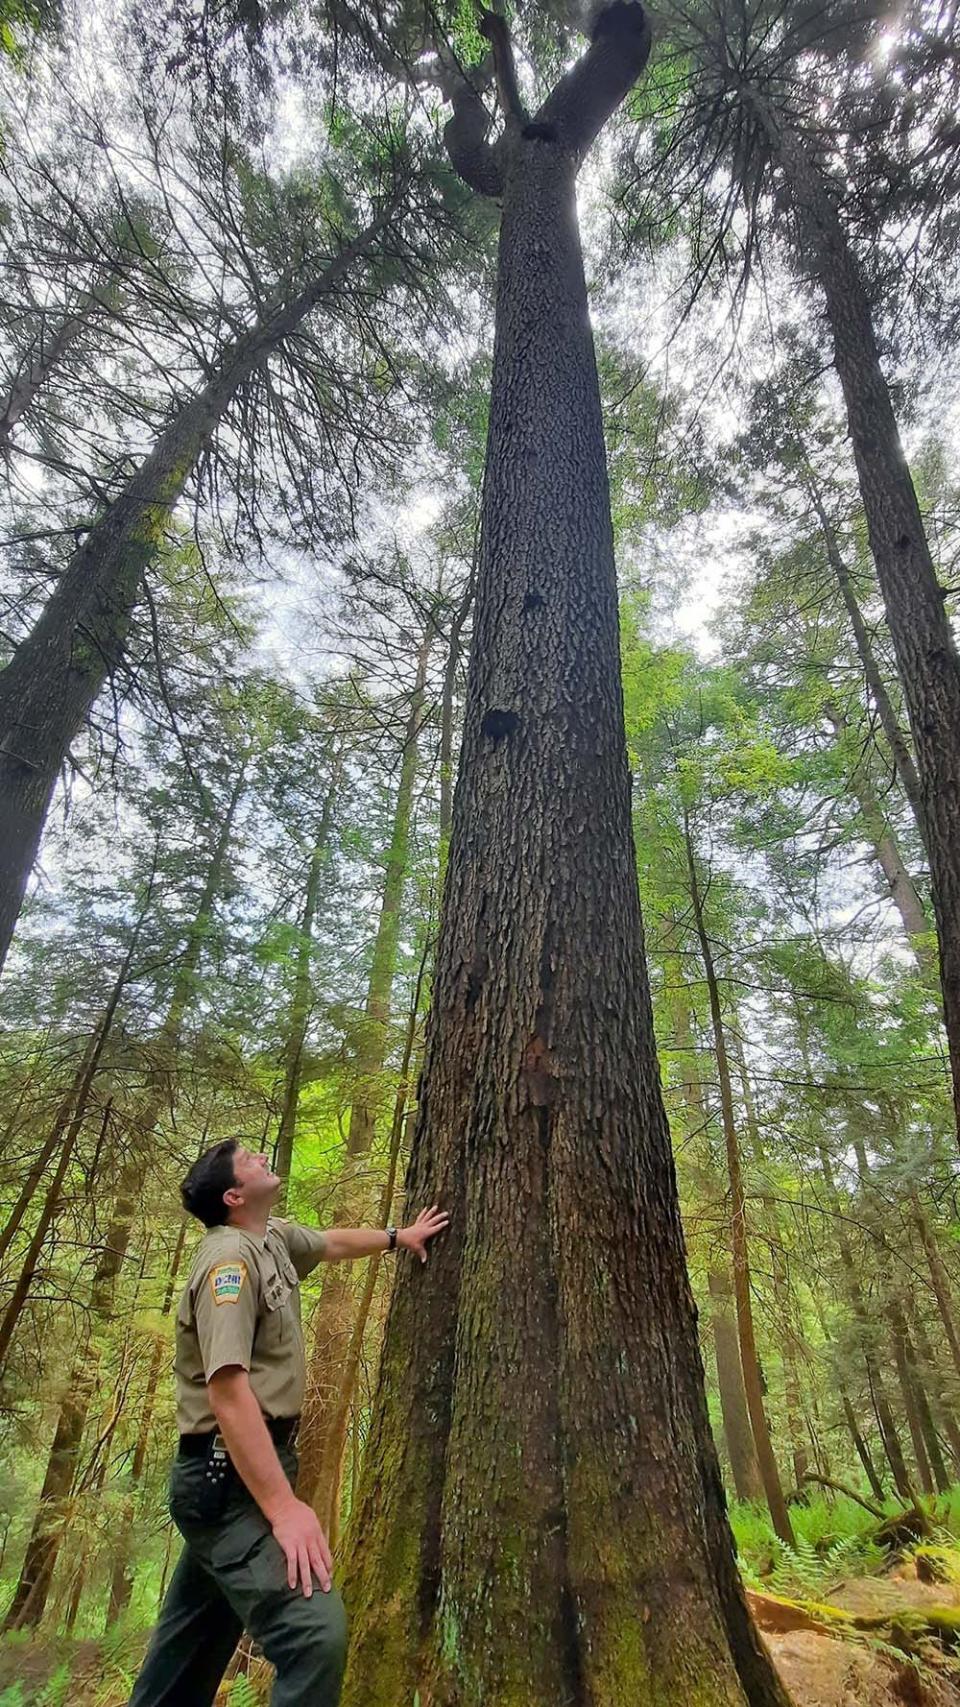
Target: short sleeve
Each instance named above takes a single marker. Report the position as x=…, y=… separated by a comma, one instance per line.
x=306, y=1245
x=225, y=1303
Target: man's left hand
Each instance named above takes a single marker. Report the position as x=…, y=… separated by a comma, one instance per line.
x=428, y=1224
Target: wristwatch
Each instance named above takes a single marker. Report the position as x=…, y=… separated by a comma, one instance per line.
x=392, y=1236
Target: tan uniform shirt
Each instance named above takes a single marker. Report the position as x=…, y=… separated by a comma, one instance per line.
x=242, y=1308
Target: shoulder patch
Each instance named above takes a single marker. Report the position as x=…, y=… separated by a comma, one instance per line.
x=226, y=1281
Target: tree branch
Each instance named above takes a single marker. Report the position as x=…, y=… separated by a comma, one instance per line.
x=582, y=102
x=465, y=135
x=497, y=33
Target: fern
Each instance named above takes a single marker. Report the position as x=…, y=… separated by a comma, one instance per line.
x=243, y=1694
x=54, y=1692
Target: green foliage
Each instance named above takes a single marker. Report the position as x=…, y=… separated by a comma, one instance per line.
x=243, y=1693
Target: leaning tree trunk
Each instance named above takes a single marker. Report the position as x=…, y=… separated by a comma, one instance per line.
x=45, y=355
x=739, y=1246
x=302, y=996
x=334, y=1314
x=55, y=675
x=926, y=652
x=540, y=1517
x=46, y=1535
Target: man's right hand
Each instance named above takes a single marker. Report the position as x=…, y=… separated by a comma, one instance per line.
x=304, y=1544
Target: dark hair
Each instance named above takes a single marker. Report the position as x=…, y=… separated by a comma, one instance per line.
x=211, y=1175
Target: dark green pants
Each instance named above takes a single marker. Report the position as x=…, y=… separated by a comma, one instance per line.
x=232, y=1577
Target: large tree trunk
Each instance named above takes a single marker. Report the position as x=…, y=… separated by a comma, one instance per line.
x=540, y=1517
x=335, y=1312
x=47, y=689
x=301, y=998
x=920, y=628
x=43, y=1546
x=739, y=1242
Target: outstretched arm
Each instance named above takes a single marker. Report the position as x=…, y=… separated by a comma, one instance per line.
x=347, y=1244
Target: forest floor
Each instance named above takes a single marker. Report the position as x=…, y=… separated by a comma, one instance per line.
x=823, y=1670
x=820, y=1668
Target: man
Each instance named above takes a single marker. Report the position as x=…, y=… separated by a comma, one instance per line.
x=252, y=1548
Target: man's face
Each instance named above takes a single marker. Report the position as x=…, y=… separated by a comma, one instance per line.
x=256, y=1183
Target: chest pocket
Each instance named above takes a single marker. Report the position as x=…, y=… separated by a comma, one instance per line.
x=277, y=1322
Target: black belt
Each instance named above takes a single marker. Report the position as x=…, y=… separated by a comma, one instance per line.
x=282, y=1431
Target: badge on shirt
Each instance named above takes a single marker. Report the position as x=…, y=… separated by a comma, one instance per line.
x=226, y=1281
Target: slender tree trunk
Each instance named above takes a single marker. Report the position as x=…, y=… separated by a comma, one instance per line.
x=47, y=689
x=66, y=1131
x=747, y=1481
x=739, y=1241
x=943, y=1413
x=920, y=628
x=41, y=361
x=48, y=1213
x=938, y=1278
x=302, y=996
x=737, y=1433
x=931, y=1438
x=121, y=1581
x=451, y=667
x=903, y=890
x=908, y=1392
x=873, y=675
x=36, y=1574
x=56, y=1138
x=335, y=1312
x=862, y=1449
x=324, y=1430
x=540, y=1517
x=885, y=1422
